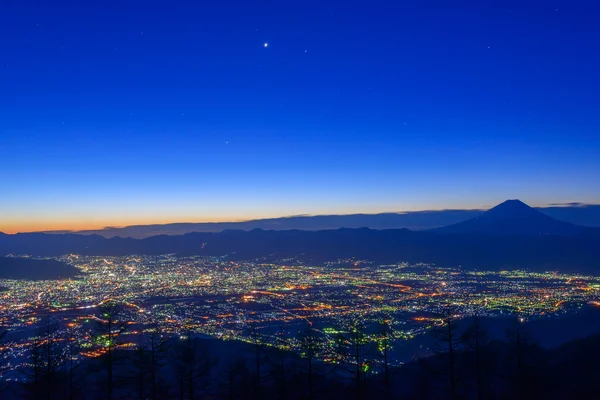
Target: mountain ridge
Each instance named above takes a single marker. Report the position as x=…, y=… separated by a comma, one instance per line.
x=576, y=213
x=513, y=217
x=563, y=253
x=515, y=242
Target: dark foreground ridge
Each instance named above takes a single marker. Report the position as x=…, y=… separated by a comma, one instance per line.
x=463, y=361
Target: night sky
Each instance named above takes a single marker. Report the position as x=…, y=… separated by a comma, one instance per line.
x=113, y=113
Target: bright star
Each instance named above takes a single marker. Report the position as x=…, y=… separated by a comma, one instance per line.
x=266, y=44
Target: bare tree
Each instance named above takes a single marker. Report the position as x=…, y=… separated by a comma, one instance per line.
x=190, y=357
x=43, y=361
x=193, y=365
x=183, y=356
x=474, y=339
x=521, y=341
x=37, y=366
x=3, y=354
x=279, y=358
x=108, y=329
x=385, y=344
x=236, y=376
x=34, y=369
x=140, y=363
x=448, y=342
x=69, y=365
x=51, y=356
x=324, y=356
x=353, y=346
x=157, y=343
x=259, y=357
x=309, y=342
x=150, y=357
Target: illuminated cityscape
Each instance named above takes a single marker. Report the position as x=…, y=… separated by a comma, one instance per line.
x=282, y=200
x=272, y=302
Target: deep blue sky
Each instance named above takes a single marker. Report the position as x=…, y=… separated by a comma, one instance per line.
x=131, y=112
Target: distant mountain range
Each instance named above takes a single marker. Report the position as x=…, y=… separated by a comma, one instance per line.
x=511, y=235
x=574, y=213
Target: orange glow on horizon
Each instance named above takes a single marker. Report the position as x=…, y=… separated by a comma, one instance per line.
x=72, y=225
x=11, y=227
x=75, y=225
x=68, y=221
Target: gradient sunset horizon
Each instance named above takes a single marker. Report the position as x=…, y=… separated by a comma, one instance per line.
x=159, y=114
x=99, y=223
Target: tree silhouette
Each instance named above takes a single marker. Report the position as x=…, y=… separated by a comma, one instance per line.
x=108, y=329
x=521, y=343
x=278, y=357
x=52, y=357
x=236, y=376
x=259, y=357
x=352, y=347
x=34, y=368
x=157, y=343
x=384, y=347
x=4, y=349
x=193, y=365
x=447, y=344
x=190, y=360
x=474, y=339
x=140, y=363
x=69, y=365
x=308, y=346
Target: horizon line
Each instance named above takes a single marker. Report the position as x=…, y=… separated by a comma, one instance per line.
x=306, y=215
